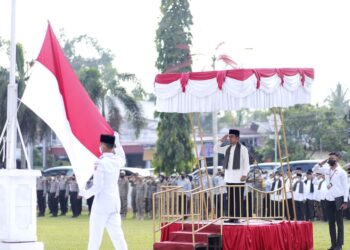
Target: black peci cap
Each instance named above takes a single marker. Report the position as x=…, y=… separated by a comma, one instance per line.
x=234, y=132
x=109, y=139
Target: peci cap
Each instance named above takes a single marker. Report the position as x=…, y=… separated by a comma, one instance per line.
x=233, y=132
x=309, y=171
x=109, y=139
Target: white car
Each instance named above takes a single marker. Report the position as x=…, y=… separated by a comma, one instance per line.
x=68, y=171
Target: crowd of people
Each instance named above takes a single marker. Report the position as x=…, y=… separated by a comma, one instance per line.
x=309, y=193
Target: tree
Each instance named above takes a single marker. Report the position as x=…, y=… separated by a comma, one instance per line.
x=103, y=82
x=174, y=148
x=31, y=126
x=309, y=129
x=4, y=80
x=337, y=100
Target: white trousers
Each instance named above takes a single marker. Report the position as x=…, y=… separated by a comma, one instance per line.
x=98, y=222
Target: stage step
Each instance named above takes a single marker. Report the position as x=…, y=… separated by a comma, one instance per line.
x=186, y=236
x=176, y=245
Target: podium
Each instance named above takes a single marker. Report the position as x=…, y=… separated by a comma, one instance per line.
x=18, y=210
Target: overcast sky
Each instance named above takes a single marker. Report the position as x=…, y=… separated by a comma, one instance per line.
x=268, y=33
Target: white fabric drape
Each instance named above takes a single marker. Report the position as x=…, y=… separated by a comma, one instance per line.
x=205, y=95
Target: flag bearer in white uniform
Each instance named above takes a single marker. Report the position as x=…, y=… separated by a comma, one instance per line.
x=105, y=212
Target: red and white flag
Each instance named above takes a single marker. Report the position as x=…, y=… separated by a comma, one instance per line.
x=56, y=95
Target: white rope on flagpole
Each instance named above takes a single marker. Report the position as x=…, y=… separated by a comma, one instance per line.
x=2, y=140
x=23, y=146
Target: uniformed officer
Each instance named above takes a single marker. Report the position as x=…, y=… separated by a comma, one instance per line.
x=53, y=193
x=90, y=201
x=151, y=189
x=105, y=212
x=141, y=195
x=123, y=184
x=63, y=194
x=41, y=195
x=73, y=194
x=133, y=194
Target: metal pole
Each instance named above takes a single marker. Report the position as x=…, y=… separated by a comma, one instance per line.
x=12, y=98
x=275, y=147
x=215, y=140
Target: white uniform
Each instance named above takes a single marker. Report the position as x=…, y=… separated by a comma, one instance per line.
x=234, y=175
x=337, y=180
x=321, y=190
x=105, y=212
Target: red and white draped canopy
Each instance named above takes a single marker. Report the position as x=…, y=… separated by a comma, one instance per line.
x=233, y=89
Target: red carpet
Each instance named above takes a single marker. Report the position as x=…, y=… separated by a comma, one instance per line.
x=279, y=235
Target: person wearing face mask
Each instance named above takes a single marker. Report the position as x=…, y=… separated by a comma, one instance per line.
x=299, y=197
x=53, y=193
x=123, y=184
x=141, y=196
x=73, y=194
x=320, y=193
x=161, y=182
x=63, y=195
x=105, y=211
x=185, y=185
x=336, y=197
x=220, y=194
x=276, y=196
x=309, y=194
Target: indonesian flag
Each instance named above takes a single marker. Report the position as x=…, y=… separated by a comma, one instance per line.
x=56, y=95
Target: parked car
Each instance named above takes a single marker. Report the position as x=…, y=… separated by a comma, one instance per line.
x=265, y=167
x=305, y=165
x=195, y=174
x=141, y=171
x=68, y=171
x=55, y=171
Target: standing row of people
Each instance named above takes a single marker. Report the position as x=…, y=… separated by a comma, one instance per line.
x=54, y=192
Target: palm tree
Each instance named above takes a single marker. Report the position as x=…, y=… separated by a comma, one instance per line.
x=31, y=126
x=337, y=100
x=103, y=82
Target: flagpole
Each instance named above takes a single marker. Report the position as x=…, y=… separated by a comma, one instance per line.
x=12, y=97
x=18, y=189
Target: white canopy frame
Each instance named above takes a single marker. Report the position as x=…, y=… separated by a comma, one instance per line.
x=234, y=90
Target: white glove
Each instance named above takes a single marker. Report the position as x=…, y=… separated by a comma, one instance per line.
x=82, y=192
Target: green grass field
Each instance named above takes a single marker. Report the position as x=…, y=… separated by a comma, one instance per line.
x=66, y=233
